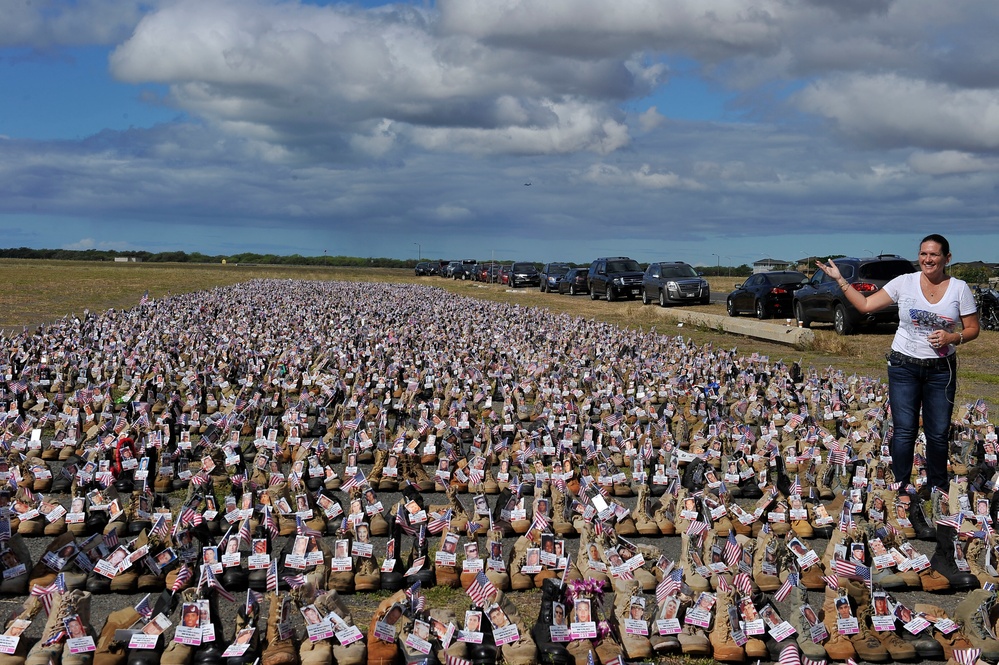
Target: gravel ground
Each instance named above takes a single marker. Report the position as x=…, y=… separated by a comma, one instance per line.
x=363, y=604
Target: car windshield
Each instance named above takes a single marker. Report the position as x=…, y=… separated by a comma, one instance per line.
x=788, y=278
x=524, y=267
x=679, y=271
x=623, y=266
x=558, y=270
x=885, y=270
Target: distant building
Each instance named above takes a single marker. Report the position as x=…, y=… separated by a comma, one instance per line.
x=768, y=265
x=127, y=259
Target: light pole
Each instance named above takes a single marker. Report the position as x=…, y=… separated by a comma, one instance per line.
x=419, y=251
x=718, y=271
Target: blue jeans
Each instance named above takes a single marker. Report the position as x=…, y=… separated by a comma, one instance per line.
x=911, y=387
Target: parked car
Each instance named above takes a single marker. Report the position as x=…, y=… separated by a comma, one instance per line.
x=551, y=275
x=574, y=282
x=766, y=294
x=503, y=276
x=489, y=273
x=613, y=277
x=422, y=269
x=524, y=274
x=821, y=299
x=464, y=271
x=674, y=282
x=449, y=268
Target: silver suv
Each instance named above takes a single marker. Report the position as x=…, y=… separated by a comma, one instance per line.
x=672, y=282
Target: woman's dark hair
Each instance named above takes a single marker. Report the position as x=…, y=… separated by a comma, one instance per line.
x=938, y=239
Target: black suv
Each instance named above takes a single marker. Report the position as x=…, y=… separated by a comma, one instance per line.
x=615, y=276
x=422, y=268
x=551, y=275
x=524, y=274
x=673, y=282
x=821, y=299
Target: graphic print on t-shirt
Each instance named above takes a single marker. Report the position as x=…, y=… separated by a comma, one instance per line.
x=925, y=322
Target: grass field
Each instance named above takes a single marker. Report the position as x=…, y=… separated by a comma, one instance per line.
x=41, y=291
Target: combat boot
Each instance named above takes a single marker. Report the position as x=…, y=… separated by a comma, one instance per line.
x=974, y=613
x=866, y=642
x=277, y=651
x=690, y=560
x=955, y=640
x=975, y=557
x=942, y=561
x=354, y=653
x=51, y=646
x=110, y=652
x=522, y=651
x=809, y=649
x=636, y=647
x=645, y=524
x=838, y=647
x=382, y=652
x=723, y=646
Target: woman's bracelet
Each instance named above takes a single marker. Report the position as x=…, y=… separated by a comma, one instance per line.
x=960, y=334
x=844, y=285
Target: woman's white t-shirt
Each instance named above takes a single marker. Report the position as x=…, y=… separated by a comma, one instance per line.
x=918, y=317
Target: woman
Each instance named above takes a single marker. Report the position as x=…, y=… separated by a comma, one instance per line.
x=922, y=364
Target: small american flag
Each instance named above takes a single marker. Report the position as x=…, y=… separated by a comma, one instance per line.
x=696, y=528
x=253, y=599
x=357, y=480
x=295, y=581
x=454, y=660
x=743, y=583
x=403, y=523
x=854, y=570
x=302, y=529
x=160, y=529
x=670, y=585
x=790, y=655
x=144, y=609
x=540, y=522
x=272, y=576
x=953, y=521
x=245, y=536
x=481, y=590
x=183, y=576
x=438, y=523
x=967, y=656
x=796, y=486
x=111, y=540
x=270, y=523
x=144, y=299
x=733, y=550
x=832, y=581
x=785, y=589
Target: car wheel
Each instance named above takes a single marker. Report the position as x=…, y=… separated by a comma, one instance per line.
x=799, y=313
x=645, y=297
x=609, y=294
x=662, y=298
x=730, y=307
x=761, y=311
x=593, y=294
x=841, y=321
x=572, y=290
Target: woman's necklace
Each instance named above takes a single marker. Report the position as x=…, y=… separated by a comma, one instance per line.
x=931, y=288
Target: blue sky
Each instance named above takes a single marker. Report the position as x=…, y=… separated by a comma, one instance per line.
x=712, y=132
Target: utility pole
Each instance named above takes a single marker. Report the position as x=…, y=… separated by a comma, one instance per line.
x=419, y=251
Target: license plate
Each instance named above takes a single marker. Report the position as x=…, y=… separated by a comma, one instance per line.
x=635, y=292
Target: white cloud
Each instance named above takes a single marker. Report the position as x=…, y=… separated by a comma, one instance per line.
x=52, y=23
x=643, y=177
x=890, y=110
x=950, y=162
